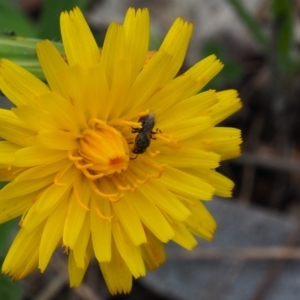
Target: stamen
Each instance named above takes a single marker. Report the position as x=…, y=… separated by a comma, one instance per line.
x=149, y=175
x=160, y=167
x=120, y=122
x=91, y=132
x=88, y=152
x=136, y=179
x=143, y=181
x=82, y=167
x=72, y=157
x=115, y=200
x=99, y=213
x=169, y=138
x=132, y=179
x=118, y=185
x=90, y=176
x=134, y=188
x=152, y=153
x=93, y=122
x=152, y=164
x=75, y=189
x=56, y=182
x=96, y=190
x=105, y=187
x=158, y=175
x=60, y=174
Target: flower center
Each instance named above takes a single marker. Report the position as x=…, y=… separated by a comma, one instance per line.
x=104, y=151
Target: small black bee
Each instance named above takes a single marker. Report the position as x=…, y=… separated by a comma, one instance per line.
x=145, y=134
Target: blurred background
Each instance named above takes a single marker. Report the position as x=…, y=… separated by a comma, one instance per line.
x=255, y=254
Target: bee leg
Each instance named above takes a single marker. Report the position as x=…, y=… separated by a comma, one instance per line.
x=135, y=130
x=132, y=158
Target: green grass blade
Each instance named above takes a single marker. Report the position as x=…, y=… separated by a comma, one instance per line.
x=282, y=12
x=49, y=22
x=13, y=19
x=250, y=22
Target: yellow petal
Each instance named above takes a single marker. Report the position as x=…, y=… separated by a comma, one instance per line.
x=228, y=104
x=188, y=127
x=189, y=108
x=205, y=70
x=17, y=262
x=186, y=184
x=136, y=27
x=76, y=273
x=151, y=216
x=222, y=140
x=119, y=89
x=116, y=273
x=200, y=222
x=153, y=252
x=130, y=220
x=61, y=110
x=7, y=151
x=58, y=139
x=31, y=265
x=78, y=82
x=165, y=200
x=35, y=118
x=8, y=172
x=130, y=253
x=34, y=217
x=183, y=236
x=221, y=183
x=12, y=208
x=16, y=189
x=101, y=228
x=149, y=80
x=176, y=43
x=72, y=83
x=37, y=155
x=83, y=243
x=97, y=94
x=19, y=85
x=172, y=94
x=43, y=171
x=188, y=157
x=54, y=67
x=79, y=43
x=13, y=130
x=55, y=192
x=77, y=209
x=113, y=51
x=52, y=234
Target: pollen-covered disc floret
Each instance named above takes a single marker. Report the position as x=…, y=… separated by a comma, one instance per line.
x=110, y=156
x=103, y=151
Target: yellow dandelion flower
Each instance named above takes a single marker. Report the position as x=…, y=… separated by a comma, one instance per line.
x=112, y=155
